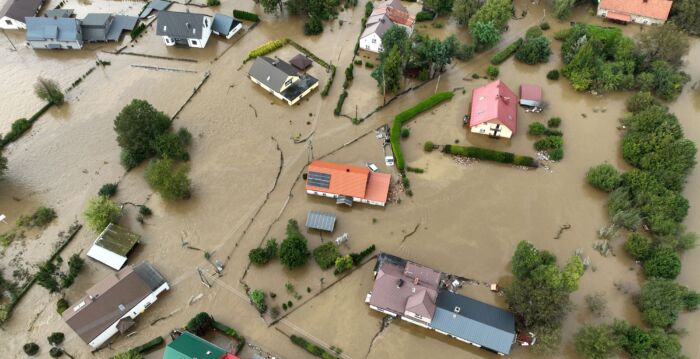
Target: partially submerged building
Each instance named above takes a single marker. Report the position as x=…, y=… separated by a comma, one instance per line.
x=531, y=96
x=225, y=26
x=101, y=27
x=420, y=295
x=386, y=14
x=14, y=12
x=190, y=346
x=154, y=5
x=111, y=305
x=113, y=245
x=322, y=221
x=281, y=79
x=645, y=12
x=494, y=110
x=184, y=28
x=347, y=183
x=54, y=33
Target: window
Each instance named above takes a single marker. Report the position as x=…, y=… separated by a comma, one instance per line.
x=206, y=22
x=195, y=42
x=288, y=82
x=9, y=22
x=374, y=41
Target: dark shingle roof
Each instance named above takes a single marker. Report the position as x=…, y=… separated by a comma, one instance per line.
x=158, y=5
x=19, y=9
x=478, y=322
x=223, y=24
x=271, y=72
x=180, y=25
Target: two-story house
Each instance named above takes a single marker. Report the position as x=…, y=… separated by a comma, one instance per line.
x=184, y=28
x=281, y=79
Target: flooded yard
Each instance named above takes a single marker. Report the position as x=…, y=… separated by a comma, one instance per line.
x=246, y=174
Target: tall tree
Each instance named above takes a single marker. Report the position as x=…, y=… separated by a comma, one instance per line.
x=137, y=126
x=293, y=251
x=395, y=36
x=3, y=164
x=463, y=10
x=485, y=34
x=441, y=7
x=665, y=42
x=49, y=91
x=496, y=11
x=393, y=70
x=687, y=15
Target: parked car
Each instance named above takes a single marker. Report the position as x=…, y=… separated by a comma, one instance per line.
x=389, y=160
x=372, y=167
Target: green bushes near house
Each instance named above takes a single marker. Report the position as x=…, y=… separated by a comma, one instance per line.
x=492, y=71
x=257, y=297
x=264, y=254
x=549, y=143
x=61, y=306
x=327, y=86
x=326, y=254
x=136, y=31
x=200, y=324
x=553, y=75
x=41, y=217
x=407, y=115
x=358, y=62
x=293, y=251
x=428, y=146
x=604, y=177
x=312, y=348
x=30, y=349
x=211, y=3
x=56, y=338
x=267, y=48
x=554, y=122
x=358, y=257
x=169, y=179
x=490, y=155
x=504, y=54
x=108, y=190
x=415, y=169
x=339, y=104
x=544, y=26
x=424, y=16
x=244, y=15
x=405, y=132
x=342, y=264
x=149, y=345
x=100, y=212
x=536, y=129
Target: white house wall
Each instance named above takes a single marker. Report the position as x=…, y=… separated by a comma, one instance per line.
x=372, y=43
x=11, y=24
x=354, y=199
x=234, y=31
x=485, y=129
x=643, y=20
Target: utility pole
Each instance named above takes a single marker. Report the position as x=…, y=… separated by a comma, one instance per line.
x=438, y=84
x=10, y=41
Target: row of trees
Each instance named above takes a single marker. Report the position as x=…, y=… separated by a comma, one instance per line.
x=315, y=11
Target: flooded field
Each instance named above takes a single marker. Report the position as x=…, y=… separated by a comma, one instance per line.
x=463, y=219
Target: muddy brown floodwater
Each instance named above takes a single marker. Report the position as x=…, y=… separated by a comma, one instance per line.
x=245, y=173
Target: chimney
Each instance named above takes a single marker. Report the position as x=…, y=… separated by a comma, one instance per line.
x=399, y=283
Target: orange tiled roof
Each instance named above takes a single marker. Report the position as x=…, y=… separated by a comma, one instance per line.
x=353, y=181
x=378, y=187
x=657, y=9
x=400, y=17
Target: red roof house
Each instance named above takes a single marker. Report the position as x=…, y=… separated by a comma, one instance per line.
x=347, y=183
x=646, y=12
x=494, y=110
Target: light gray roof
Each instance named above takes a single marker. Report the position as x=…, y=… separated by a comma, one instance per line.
x=158, y=5
x=59, y=13
x=99, y=27
x=19, y=9
x=271, y=72
x=50, y=29
x=320, y=220
x=477, y=322
x=380, y=27
x=94, y=19
x=223, y=24
x=181, y=25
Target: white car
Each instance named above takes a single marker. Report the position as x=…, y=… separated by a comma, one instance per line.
x=372, y=167
x=389, y=160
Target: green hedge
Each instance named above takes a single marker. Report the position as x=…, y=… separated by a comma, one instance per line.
x=223, y=328
x=358, y=257
x=424, y=16
x=406, y=115
x=135, y=32
x=339, y=105
x=244, y=15
x=312, y=348
x=22, y=125
x=327, y=86
x=145, y=348
x=490, y=155
x=504, y=54
x=267, y=48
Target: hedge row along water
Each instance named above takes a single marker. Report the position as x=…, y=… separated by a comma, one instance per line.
x=490, y=155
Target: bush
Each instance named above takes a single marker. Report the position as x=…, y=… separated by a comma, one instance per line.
x=556, y=154
x=49, y=91
x=172, y=145
x=327, y=86
x=313, y=26
x=293, y=251
x=369, y=65
x=428, y=146
x=465, y=52
x=549, y=143
x=325, y=255
x=55, y=352
x=100, y=212
x=534, y=50
x=554, y=122
x=532, y=32
x=638, y=246
x=339, y=105
x=562, y=34
x=524, y=161
x=75, y=265
x=424, y=16
x=213, y=2
x=56, y=338
x=169, y=180
x=553, y=75
x=662, y=300
x=358, y=62
x=544, y=26
x=18, y=128
x=604, y=177
x=536, y=129
x=595, y=342
x=30, y=349
x=137, y=30
x=263, y=255
x=437, y=25
x=641, y=101
x=596, y=304
x=244, y=15
x=137, y=126
x=405, y=132
x=311, y=348
x=200, y=324
x=41, y=217
x=663, y=263
x=257, y=296
x=108, y=190
x=61, y=305
x=490, y=155
x=504, y=54
x=348, y=72
x=358, y=257
x=342, y=264
x=267, y=48
x=492, y=71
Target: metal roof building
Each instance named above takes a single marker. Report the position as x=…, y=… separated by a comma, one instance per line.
x=322, y=221
x=474, y=322
x=106, y=27
x=113, y=245
x=226, y=26
x=157, y=5
x=189, y=346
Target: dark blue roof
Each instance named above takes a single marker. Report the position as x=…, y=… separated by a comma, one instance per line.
x=477, y=322
x=223, y=24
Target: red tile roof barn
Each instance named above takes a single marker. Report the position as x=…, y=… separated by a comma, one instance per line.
x=656, y=9
x=494, y=101
x=352, y=181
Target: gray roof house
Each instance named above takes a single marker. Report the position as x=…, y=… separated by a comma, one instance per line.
x=59, y=13
x=281, y=79
x=106, y=27
x=13, y=13
x=184, y=28
x=225, y=26
x=157, y=5
x=54, y=33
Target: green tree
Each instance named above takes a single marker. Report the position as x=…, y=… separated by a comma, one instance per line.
x=596, y=342
x=343, y=263
x=172, y=145
x=485, y=34
x=390, y=72
x=257, y=296
x=662, y=300
x=535, y=50
x=463, y=10
x=265, y=254
x=169, y=180
x=668, y=83
x=526, y=258
x=293, y=250
x=3, y=164
x=641, y=101
x=56, y=338
x=271, y=6
x=326, y=254
x=638, y=246
x=604, y=177
x=498, y=12
x=666, y=42
x=441, y=7
x=200, y=324
x=100, y=212
x=562, y=8
x=49, y=91
x=686, y=13
x=137, y=126
x=395, y=36
x=46, y=276
x=663, y=263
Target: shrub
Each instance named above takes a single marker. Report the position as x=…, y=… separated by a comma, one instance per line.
x=536, y=129
x=313, y=26
x=49, y=91
x=549, y=143
x=339, y=105
x=492, y=71
x=75, y=265
x=556, y=154
x=137, y=30
x=169, y=180
x=490, y=155
x=172, y=145
x=145, y=211
x=293, y=251
x=149, y=345
x=30, y=349
x=663, y=263
x=100, y=212
x=415, y=169
x=264, y=255
x=596, y=304
x=641, y=101
x=55, y=352
x=137, y=126
x=562, y=34
x=348, y=72
x=41, y=217
x=465, y=52
x=428, y=146
x=662, y=300
x=244, y=15
x=108, y=190
x=554, y=122
x=638, y=246
x=18, y=128
x=213, y=2
x=534, y=31
x=544, y=26
x=61, y=305
x=325, y=255
x=604, y=177
x=327, y=86
x=358, y=257
x=596, y=342
x=257, y=296
x=534, y=50
x=405, y=132
x=200, y=324
x=424, y=16
x=358, y=62
x=56, y=338
x=553, y=75
x=504, y=54
x=267, y=48
x=524, y=161
x=342, y=264
x=369, y=65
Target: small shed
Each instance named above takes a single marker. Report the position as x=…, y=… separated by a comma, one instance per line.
x=113, y=246
x=530, y=96
x=323, y=221
x=301, y=62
